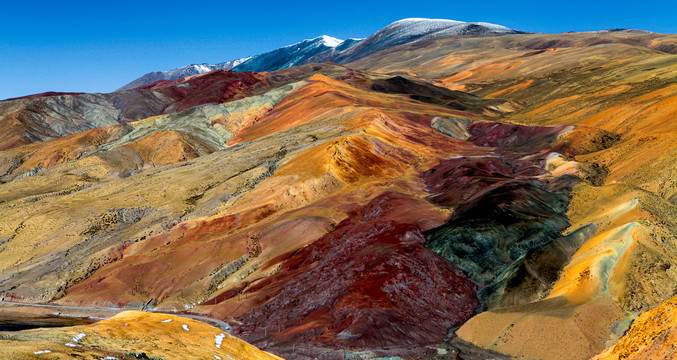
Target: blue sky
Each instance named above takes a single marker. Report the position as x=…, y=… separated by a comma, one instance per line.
x=99, y=46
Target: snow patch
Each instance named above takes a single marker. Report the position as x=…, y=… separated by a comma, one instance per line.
x=202, y=68
x=237, y=62
x=185, y=327
x=109, y=358
x=78, y=337
x=218, y=339
x=330, y=41
x=431, y=28
x=72, y=345
x=217, y=357
x=42, y=352
x=166, y=321
x=424, y=20
x=326, y=40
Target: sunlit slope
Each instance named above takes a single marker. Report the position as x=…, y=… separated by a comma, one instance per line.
x=157, y=140
x=128, y=335
x=618, y=82
x=620, y=86
x=48, y=116
x=342, y=146
x=652, y=336
x=117, y=216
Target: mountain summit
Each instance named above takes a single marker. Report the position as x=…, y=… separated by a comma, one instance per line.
x=294, y=54
x=407, y=31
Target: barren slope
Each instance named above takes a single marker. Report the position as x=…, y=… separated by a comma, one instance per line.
x=618, y=88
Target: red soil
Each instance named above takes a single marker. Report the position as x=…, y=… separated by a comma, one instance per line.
x=456, y=180
x=370, y=282
x=216, y=86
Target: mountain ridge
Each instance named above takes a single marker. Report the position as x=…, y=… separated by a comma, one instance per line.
x=251, y=63
x=410, y=30
x=326, y=48
x=181, y=72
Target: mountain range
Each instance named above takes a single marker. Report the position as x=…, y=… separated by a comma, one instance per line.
x=183, y=71
x=326, y=48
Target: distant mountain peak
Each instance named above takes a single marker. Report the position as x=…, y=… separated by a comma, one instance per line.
x=420, y=26
x=325, y=40
x=408, y=31
x=183, y=71
x=330, y=41
x=414, y=19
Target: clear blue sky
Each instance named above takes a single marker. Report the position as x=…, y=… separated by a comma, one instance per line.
x=98, y=46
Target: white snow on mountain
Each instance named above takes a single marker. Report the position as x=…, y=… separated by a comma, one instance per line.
x=325, y=40
x=281, y=58
x=291, y=55
x=417, y=26
x=441, y=27
x=330, y=41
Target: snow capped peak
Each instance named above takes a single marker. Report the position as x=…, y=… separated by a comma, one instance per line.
x=406, y=31
x=411, y=20
x=421, y=26
x=325, y=40
x=290, y=55
x=330, y=41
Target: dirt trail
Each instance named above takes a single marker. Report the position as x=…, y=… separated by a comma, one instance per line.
x=66, y=310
